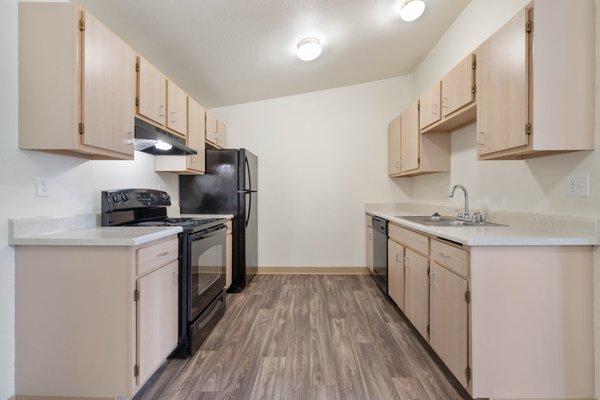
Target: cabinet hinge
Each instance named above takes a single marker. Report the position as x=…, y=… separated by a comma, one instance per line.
x=474, y=88
x=137, y=101
x=81, y=128
x=136, y=370
x=137, y=66
x=136, y=295
x=419, y=106
x=529, y=26
x=81, y=24
x=468, y=296
x=474, y=63
x=428, y=329
x=468, y=373
x=528, y=129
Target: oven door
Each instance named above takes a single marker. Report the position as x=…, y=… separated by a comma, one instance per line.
x=206, y=268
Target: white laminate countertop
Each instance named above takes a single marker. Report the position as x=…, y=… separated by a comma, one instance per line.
x=80, y=230
x=520, y=234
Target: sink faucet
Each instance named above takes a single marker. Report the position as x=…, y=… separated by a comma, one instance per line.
x=464, y=214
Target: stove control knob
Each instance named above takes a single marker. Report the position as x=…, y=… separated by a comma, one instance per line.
x=116, y=198
x=124, y=197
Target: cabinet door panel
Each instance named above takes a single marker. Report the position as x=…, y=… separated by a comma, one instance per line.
x=108, y=89
x=410, y=138
x=152, y=92
x=176, y=108
x=212, y=131
x=457, y=86
x=156, y=318
x=221, y=133
x=394, y=146
x=430, y=107
x=195, y=137
x=369, y=250
x=416, y=296
x=396, y=273
x=449, y=320
x=503, y=88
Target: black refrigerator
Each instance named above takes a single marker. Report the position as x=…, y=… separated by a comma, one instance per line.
x=229, y=186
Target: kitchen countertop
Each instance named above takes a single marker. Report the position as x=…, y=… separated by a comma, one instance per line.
x=80, y=230
x=529, y=232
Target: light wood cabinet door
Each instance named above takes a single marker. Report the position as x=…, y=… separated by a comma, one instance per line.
x=458, y=88
x=410, y=138
x=108, y=91
x=449, y=320
x=228, y=260
x=152, y=92
x=395, y=146
x=176, y=108
x=503, y=88
x=221, y=134
x=430, y=107
x=369, y=232
x=157, y=318
x=195, y=138
x=416, y=296
x=396, y=273
x=212, y=130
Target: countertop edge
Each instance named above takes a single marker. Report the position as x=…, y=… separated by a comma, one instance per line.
x=490, y=241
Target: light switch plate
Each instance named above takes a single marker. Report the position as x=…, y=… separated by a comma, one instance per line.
x=578, y=186
x=43, y=186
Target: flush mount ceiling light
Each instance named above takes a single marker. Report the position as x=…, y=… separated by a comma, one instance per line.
x=412, y=9
x=160, y=145
x=309, y=49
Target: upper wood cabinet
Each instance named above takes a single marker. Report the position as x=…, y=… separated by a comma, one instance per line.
x=76, y=83
x=196, y=138
x=449, y=320
x=458, y=86
x=395, y=146
x=396, y=273
x=535, y=103
x=212, y=130
x=177, y=117
x=410, y=138
x=152, y=92
x=430, y=106
x=416, y=297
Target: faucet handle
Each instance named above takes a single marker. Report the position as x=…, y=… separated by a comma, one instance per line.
x=478, y=216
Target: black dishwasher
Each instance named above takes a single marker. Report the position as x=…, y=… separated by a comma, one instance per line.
x=380, y=253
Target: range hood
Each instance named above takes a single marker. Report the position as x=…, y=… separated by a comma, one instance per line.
x=147, y=135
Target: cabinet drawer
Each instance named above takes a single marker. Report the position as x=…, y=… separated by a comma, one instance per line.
x=409, y=238
x=148, y=258
x=451, y=257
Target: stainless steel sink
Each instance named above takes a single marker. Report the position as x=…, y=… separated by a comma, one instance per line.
x=444, y=221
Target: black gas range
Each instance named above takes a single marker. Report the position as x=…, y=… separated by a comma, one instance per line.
x=202, y=258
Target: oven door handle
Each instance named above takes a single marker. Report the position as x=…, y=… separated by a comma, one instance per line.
x=214, y=231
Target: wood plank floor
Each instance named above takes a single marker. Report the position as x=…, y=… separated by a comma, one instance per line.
x=321, y=337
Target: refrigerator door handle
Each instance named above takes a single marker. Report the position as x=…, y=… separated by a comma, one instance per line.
x=247, y=191
x=249, y=210
x=249, y=175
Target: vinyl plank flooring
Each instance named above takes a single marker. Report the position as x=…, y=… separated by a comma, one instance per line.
x=306, y=337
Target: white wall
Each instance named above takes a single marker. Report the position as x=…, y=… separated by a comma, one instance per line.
x=322, y=155
x=75, y=184
x=536, y=185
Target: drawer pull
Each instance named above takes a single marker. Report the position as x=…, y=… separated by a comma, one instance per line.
x=164, y=253
x=442, y=254
x=398, y=257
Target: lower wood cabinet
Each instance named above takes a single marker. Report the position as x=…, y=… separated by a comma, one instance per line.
x=369, y=235
x=448, y=310
x=416, y=299
x=157, y=318
x=396, y=273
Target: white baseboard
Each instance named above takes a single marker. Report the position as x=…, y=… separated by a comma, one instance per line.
x=314, y=270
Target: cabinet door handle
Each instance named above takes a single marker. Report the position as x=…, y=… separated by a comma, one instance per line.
x=444, y=102
x=442, y=254
x=128, y=138
x=175, y=278
x=173, y=117
x=398, y=258
x=161, y=111
x=481, y=139
x=434, y=109
x=370, y=236
x=406, y=261
x=164, y=253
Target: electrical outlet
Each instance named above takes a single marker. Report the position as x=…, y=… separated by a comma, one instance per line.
x=43, y=186
x=578, y=186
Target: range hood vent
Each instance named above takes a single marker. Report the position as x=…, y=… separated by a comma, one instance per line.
x=147, y=135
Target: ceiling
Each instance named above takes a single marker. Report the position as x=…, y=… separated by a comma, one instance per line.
x=234, y=51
